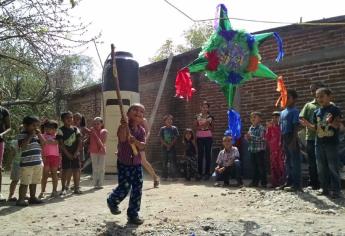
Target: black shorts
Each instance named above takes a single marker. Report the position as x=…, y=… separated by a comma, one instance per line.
x=66, y=163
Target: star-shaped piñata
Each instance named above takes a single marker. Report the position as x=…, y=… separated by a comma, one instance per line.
x=229, y=58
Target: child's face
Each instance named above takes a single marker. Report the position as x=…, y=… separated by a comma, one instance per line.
x=136, y=114
x=227, y=142
x=323, y=99
x=313, y=90
x=68, y=120
x=97, y=124
x=76, y=120
x=50, y=131
x=255, y=119
x=204, y=108
x=275, y=119
x=290, y=101
x=32, y=127
x=168, y=121
x=188, y=136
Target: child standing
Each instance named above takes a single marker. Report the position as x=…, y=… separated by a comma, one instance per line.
x=289, y=123
x=326, y=123
x=257, y=148
x=70, y=144
x=130, y=175
x=204, y=125
x=190, y=154
x=30, y=141
x=307, y=113
x=168, y=136
x=273, y=138
x=98, y=138
x=15, y=170
x=51, y=157
x=228, y=162
x=5, y=127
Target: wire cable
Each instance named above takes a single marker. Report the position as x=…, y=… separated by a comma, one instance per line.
x=259, y=21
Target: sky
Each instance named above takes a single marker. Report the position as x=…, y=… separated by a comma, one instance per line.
x=142, y=26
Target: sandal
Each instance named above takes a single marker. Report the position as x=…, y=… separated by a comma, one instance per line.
x=156, y=183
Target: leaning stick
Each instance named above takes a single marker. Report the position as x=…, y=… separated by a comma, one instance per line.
x=118, y=94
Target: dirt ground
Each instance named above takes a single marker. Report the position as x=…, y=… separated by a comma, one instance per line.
x=179, y=208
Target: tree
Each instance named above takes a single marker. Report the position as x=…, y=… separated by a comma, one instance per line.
x=35, y=37
x=194, y=37
x=43, y=28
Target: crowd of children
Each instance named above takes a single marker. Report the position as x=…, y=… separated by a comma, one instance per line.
x=320, y=117
x=36, y=156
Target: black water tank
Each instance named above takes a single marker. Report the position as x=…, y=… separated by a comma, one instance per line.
x=128, y=72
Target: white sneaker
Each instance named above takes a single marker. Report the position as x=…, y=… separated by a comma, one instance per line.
x=2, y=199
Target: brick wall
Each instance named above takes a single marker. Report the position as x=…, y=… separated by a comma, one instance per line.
x=312, y=53
x=87, y=101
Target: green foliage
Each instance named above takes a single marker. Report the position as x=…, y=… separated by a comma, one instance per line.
x=194, y=37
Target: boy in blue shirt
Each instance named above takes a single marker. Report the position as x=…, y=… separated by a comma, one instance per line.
x=289, y=123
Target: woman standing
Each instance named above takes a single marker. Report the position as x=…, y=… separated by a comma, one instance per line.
x=204, y=124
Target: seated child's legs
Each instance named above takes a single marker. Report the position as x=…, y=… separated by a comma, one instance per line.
x=237, y=169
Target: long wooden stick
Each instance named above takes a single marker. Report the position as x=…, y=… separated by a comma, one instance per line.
x=160, y=91
x=118, y=94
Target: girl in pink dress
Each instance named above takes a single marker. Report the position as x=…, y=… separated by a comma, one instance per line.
x=273, y=138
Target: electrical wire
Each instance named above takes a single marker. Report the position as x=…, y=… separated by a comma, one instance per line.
x=259, y=21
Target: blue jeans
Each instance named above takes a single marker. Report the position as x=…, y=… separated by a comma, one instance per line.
x=169, y=157
x=129, y=177
x=225, y=175
x=293, y=163
x=327, y=165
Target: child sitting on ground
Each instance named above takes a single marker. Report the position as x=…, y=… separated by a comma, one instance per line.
x=227, y=163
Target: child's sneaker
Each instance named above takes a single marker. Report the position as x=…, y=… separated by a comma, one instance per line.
x=12, y=199
x=113, y=209
x=77, y=191
x=54, y=194
x=22, y=203
x=35, y=200
x=63, y=192
x=217, y=184
x=41, y=195
x=135, y=220
x=2, y=199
